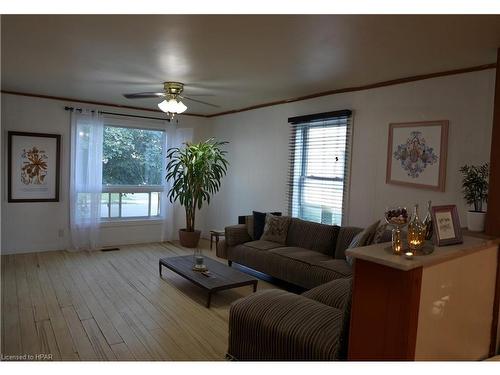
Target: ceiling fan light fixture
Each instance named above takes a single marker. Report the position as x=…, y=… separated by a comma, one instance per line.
x=172, y=106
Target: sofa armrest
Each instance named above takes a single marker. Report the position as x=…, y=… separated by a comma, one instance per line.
x=336, y=294
x=277, y=325
x=236, y=234
x=221, y=249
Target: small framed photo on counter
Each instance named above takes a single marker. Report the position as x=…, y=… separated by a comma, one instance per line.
x=446, y=225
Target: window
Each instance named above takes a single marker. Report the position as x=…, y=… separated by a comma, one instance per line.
x=319, y=166
x=131, y=172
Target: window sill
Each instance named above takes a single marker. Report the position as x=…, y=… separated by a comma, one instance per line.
x=130, y=222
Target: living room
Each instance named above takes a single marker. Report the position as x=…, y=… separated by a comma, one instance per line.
x=312, y=202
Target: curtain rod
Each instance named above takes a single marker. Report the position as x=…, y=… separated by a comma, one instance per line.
x=119, y=114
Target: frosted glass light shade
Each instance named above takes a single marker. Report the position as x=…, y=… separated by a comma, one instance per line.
x=172, y=106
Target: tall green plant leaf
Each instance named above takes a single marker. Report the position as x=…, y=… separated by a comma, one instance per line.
x=196, y=173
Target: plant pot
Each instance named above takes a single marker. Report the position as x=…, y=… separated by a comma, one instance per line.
x=475, y=221
x=189, y=239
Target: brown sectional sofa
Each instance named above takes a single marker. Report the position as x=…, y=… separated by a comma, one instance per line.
x=278, y=325
x=314, y=253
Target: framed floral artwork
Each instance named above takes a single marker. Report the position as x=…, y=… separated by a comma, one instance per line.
x=416, y=154
x=33, y=167
x=447, y=225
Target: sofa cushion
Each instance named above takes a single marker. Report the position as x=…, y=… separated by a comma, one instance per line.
x=340, y=266
x=252, y=257
x=263, y=245
x=312, y=236
x=276, y=229
x=307, y=268
x=300, y=254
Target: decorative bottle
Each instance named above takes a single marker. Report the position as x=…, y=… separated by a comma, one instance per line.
x=428, y=224
x=416, y=232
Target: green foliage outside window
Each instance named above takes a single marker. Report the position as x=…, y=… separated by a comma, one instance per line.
x=132, y=156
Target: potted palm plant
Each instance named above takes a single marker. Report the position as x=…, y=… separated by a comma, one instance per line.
x=196, y=173
x=475, y=190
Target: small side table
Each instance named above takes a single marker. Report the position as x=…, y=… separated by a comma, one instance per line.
x=216, y=234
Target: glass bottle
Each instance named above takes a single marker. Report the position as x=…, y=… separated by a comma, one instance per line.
x=416, y=232
x=428, y=224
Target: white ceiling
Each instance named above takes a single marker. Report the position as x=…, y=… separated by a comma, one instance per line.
x=240, y=60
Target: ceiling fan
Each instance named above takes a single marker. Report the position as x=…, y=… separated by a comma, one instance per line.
x=172, y=103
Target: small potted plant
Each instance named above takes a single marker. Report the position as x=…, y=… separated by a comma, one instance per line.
x=475, y=190
x=196, y=173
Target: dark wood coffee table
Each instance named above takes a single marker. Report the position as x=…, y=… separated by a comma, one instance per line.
x=221, y=276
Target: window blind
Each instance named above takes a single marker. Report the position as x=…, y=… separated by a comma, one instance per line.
x=319, y=160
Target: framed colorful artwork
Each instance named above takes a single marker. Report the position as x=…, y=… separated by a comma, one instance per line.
x=416, y=154
x=33, y=167
x=446, y=225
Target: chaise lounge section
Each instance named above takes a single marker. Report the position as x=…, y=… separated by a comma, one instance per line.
x=277, y=325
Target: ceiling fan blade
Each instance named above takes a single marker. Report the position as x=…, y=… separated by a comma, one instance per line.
x=199, y=101
x=190, y=94
x=144, y=95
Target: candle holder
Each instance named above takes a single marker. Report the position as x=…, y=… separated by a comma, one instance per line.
x=416, y=232
x=397, y=241
x=398, y=218
x=199, y=261
x=409, y=255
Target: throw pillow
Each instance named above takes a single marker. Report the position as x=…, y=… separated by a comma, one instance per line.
x=276, y=229
x=380, y=234
x=259, y=221
x=354, y=243
x=368, y=233
x=363, y=238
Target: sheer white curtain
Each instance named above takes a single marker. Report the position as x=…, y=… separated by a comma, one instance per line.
x=174, y=137
x=86, y=178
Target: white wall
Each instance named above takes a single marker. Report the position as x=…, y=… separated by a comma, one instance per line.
x=28, y=227
x=258, y=149
x=258, y=153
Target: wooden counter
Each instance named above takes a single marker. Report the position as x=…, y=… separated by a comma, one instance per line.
x=382, y=254
x=439, y=306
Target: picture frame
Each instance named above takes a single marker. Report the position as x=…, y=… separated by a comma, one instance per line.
x=447, y=229
x=33, y=167
x=417, y=154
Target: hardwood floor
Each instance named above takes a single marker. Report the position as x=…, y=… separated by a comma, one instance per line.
x=110, y=306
